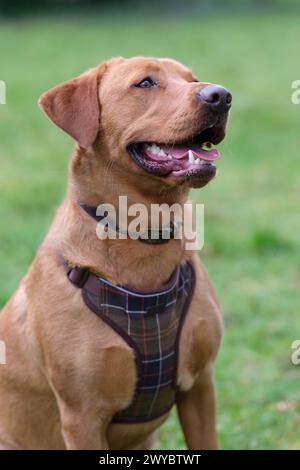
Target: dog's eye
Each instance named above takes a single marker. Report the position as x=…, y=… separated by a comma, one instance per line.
x=147, y=82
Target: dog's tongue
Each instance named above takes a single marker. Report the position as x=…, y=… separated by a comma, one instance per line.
x=181, y=151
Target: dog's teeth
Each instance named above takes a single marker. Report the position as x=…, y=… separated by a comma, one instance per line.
x=155, y=149
x=198, y=161
x=191, y=157
x=162, y=153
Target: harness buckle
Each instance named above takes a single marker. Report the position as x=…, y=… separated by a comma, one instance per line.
x=78, y=276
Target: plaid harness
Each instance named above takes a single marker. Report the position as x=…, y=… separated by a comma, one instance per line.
x=150, y=322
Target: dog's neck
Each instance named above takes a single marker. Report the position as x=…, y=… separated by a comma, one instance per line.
x=125, y=261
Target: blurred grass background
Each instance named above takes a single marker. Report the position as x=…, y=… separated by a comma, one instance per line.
x=252, y=209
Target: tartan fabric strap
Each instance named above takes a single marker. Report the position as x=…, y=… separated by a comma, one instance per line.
x=150, y=322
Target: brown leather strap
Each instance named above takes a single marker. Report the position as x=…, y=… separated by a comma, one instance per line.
x=82, y=277
x=92, y=212
x=78, y=276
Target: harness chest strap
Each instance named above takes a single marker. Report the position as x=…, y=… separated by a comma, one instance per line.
x=150, y=322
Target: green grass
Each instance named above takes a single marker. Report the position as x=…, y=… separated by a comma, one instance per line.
x=252, y=220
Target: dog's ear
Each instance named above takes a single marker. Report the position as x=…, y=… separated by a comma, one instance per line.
x=74, y=107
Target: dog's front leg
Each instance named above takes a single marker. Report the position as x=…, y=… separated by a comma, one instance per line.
x=83, y=429
x=81, y=406
x=89, y=392
x=82, y=426
x=196, y=411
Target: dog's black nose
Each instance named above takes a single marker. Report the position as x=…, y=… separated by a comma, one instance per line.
x=216, y=97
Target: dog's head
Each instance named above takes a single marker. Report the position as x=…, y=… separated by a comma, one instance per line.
x=152, y=117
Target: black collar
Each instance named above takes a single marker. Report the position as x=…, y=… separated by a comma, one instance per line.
x=92, y=212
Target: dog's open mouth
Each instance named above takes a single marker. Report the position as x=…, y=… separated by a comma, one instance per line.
x=192, y=160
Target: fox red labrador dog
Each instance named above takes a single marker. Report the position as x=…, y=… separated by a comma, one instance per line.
x=104, y=335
